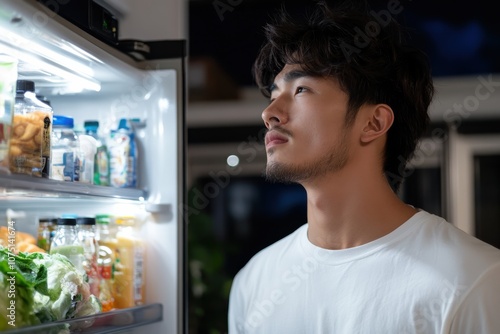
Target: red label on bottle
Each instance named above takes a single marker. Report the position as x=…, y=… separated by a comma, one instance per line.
x=105, y=272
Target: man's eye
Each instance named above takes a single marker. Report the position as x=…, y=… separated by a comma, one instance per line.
x=300, y=90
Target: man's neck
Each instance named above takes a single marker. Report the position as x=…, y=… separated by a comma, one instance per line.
x=345, y=211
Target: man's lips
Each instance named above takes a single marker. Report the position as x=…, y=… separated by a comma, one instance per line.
x=273, y=138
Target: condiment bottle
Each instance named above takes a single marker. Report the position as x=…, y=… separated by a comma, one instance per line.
x=87, y=238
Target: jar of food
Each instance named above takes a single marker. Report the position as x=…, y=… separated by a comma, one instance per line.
x=45, y=232
x=29, y=151
x=66, y=242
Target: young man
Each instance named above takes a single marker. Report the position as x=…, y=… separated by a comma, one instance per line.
x=346, y=111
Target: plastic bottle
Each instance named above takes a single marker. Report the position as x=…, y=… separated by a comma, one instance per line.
x=88, y=148
x=104, y=232
x=45, y=232
x=29, y=151
x=8, y=77
x=123, y=156
x=65, y=150
x=129, y=284
x=105, y=261
x=87, y=238
x=66, y=242
x=101, y=160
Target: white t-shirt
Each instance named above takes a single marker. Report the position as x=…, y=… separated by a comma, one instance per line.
x=427, y=276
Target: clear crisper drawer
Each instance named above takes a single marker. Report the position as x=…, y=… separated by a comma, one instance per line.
x=109, y=322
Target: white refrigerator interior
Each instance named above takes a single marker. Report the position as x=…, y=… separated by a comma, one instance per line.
x=89, y=80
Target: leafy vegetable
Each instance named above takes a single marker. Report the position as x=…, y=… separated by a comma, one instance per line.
x=40, y=288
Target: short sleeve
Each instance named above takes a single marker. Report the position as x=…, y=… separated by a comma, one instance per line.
x=479, y=311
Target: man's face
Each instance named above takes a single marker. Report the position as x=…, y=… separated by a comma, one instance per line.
x=307, y=136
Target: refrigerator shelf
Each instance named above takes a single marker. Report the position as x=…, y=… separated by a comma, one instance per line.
x=15, y=185
x=108, y=322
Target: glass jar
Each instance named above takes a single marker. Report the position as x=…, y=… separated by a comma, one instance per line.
x=66, y=242
x=45, y=233
x=29, y=150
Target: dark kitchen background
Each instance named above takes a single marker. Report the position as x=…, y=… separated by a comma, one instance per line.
x=235, y=212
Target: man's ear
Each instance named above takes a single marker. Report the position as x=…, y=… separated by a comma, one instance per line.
x=379, y=119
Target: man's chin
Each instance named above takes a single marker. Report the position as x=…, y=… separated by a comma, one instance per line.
x=282, y=173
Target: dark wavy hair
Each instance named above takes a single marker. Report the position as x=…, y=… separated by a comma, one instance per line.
x=375, y=68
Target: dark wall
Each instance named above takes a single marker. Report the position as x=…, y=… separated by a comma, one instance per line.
x=461, y=38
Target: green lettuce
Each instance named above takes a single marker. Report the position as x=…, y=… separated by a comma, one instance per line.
x=41, y=288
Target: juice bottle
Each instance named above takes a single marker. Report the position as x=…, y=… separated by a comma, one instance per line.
x=129, y=283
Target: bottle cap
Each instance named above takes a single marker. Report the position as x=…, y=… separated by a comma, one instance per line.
x=66, y=221
x=45, y=220
x=125, y=220
x=124, y=124
x=85, y=221
x=25, y=86
x=91, y=124
x=63, y=121
x=104, y=219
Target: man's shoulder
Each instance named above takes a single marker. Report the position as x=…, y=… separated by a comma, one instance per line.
x=452, y=246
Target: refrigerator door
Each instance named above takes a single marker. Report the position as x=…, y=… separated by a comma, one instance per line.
x=88, y=79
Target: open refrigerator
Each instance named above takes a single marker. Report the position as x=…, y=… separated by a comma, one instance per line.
x=86, y=78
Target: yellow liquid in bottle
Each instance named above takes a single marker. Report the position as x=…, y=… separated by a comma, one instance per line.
x=129, y=278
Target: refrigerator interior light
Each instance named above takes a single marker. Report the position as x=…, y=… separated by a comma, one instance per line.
x=76, y=75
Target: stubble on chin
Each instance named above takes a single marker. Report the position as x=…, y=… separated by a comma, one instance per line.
x=280, y=173
x=297, y=173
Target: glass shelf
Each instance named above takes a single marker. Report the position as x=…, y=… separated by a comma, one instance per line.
x=108, y=322
x=23, y=185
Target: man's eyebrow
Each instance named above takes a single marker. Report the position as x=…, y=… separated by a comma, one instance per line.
x=290, y=76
